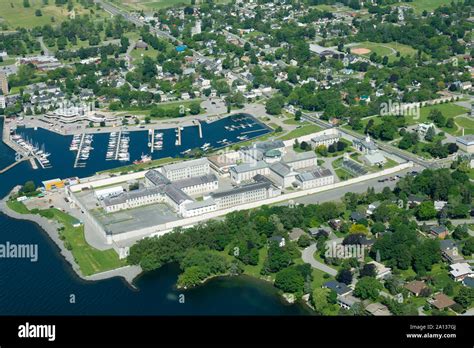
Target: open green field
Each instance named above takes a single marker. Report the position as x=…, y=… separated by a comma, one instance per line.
x=299, y=132
x=89, y=259
x=16, y=15
x=138, y=54
x=422, y=5
x=141, y=166
x=466, y=123
x=389, y=49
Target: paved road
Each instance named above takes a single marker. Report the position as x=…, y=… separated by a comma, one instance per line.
x=307, y=256
x=338, y=193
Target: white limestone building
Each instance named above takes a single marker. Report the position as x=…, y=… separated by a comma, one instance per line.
x=187, y=169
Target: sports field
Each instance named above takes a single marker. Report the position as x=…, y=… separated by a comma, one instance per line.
x=389, y=49
x=421, y=5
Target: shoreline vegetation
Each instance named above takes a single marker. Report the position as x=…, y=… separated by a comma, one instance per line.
x=87, y=262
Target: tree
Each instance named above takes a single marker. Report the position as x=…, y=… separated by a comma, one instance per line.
x=304, y=241
x=430, y=134
x=274, y=105
x=344, y=276
x=367, y=288
x=465, y=297
x=319, y=299
x=368, y=270
x=195, y=108
x=426, y=211
x=289, y=280
x=38, y=13
x=29, y=187
x=358, y=229
x=26, y=3
x=468, y=248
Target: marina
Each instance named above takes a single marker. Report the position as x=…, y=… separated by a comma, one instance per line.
x=121, y=146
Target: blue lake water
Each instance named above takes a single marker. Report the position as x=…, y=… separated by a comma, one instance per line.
x=45, y=287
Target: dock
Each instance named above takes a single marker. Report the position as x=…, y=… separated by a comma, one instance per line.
x=199, y=128
x=152, y=141
x=76, y=161
x=7, y=168
x=117, y=149
x=178, y=136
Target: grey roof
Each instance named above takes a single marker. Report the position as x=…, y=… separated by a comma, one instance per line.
x=247, y=167
x=466, y=139
x=270, y=145
x=447, y=244
x=298, y=156
x=280, y=169
x=339, y=288
x=200, y=204
x=191, y=163
x=198, y=180
x=241, y=189
x=323, y=137
x=156, y=177
x=314, y=174
x=438, y=229
x=126, y=196
x=469, y=282
x=176, y=195
x=368, y=145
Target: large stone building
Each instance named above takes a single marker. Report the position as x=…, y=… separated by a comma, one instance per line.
x=187, y=169
x=261, y=189
x=299, y=160
x=315, y=178
x=246, y=171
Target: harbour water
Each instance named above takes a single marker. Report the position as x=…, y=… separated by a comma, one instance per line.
x=45, y=287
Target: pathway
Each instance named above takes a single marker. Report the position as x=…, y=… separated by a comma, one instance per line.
x=307, y=256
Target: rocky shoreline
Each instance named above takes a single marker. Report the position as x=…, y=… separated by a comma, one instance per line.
x=50, y=227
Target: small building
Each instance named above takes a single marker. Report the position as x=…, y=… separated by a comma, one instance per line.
x=469, y=282
x=459, y=271
x=335, y=224
x=296, y=233
x=450, y=251
x=377, y=309
x=53, y=184
x=415, y=287
x=277, y=239
x=347, y=302
x=108, y=192
x=439, y=231
x=382, y=272
x=372, y=207
x=441, y=301
x=466, y=143
x=356, y=216
x=340, y=289
x=315, y=178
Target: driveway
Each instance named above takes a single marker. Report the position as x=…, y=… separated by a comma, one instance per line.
x=307, y=256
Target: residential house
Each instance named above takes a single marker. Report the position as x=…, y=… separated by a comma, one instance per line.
x=415, y=287
x=450, y=251
x=278, y=239
x=441, y=301
x=382, y=272
x=340, y=289
x=377, y=309
x=439, y=231
x=296, y=233
x=460, y=270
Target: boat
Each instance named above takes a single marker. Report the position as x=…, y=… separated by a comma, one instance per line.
x=143, y=159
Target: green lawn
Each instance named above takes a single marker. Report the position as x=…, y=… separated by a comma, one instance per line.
x=138, y=54
x=19, y=207
x=386, y=49
x=142, y=166
x=422, y=5
x=466, y=123
x=89, y=259
x=299, y=132
x=14, y=14
x=449, y=110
